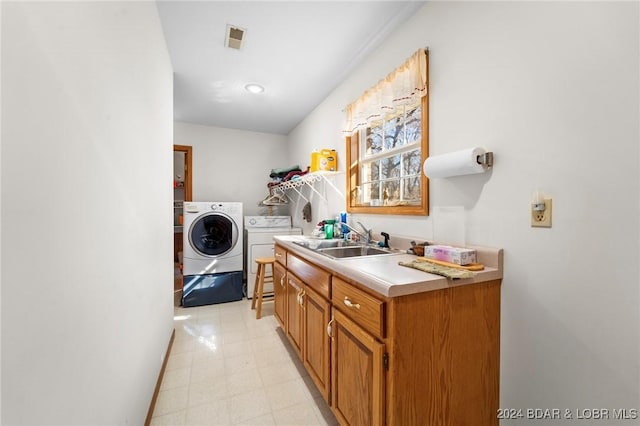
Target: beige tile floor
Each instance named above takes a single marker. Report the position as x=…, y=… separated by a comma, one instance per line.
x=227, y=368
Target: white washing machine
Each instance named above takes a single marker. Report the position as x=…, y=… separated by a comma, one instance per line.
x=212, y=238
x=259, y=233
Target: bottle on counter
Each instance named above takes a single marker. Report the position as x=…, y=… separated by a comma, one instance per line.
x=329, y=226
x=343, y=220
x=337, y=228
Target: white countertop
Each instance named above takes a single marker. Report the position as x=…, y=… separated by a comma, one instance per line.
x=383, y=275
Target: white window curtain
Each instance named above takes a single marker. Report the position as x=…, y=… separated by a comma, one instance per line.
x=405, y=85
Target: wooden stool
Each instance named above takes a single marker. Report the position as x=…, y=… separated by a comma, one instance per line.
x=261, y=278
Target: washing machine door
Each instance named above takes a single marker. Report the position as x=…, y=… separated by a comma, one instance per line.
x=213, y=234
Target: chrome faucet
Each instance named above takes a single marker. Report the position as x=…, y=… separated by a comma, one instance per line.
x=366, y=236
x=367, y=233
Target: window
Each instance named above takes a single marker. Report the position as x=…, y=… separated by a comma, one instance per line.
x=386, y=147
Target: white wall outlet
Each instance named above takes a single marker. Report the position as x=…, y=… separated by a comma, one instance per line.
x=541, y=218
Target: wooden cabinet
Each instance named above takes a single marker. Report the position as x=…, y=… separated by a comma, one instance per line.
x=358, y=356
x=280, y=291
x=314, y=350
x=361, y=307
x=357, y=374
x=426, y=358
x=444, y=356
x=316, y=347
x=280, y=254
x=294, y=316
x=313, y=276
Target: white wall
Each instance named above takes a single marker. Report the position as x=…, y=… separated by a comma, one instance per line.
x=232, y=165
x=86, y=229
x=552, y=89
x=0, y=213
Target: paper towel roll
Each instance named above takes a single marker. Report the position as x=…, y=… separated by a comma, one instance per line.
x=454, y=163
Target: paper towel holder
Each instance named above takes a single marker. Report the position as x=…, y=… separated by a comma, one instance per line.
x=465, y=162
x=485, y=159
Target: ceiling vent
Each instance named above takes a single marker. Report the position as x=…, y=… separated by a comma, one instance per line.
x=234, y=38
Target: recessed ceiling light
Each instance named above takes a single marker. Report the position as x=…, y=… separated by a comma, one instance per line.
x=254, y=88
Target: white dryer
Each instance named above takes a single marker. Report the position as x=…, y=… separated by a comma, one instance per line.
x=212, y=238
x=259, y=233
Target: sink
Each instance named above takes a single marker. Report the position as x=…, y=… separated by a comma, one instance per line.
x=353, y=251
x=340, y=249
x=318, y=244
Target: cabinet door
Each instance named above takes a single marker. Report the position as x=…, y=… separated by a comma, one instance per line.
x=294, y=316
x=357, y=377
x=280, y=294
x=317, y=312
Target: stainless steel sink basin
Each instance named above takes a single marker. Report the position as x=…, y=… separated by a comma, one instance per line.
x=317, y=244
x=353, y=251
x=340, y=249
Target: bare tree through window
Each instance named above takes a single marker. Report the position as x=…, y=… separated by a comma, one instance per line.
x=391, y=165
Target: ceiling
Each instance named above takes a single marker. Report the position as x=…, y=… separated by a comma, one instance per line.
x=298, y=50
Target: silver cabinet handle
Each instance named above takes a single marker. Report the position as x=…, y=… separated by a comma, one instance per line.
x=350, y=304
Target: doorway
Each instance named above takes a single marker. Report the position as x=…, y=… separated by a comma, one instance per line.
x=182, y=191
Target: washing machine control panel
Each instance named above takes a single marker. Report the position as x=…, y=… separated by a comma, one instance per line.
x=229, y=208
x=191, y=208
x=267, y=222
x=198, y=207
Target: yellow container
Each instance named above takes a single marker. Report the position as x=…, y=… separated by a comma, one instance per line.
x=324, y=160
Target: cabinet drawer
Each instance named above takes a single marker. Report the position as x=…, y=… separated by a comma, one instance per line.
x=280, y=254
x=364, y=309
x=316, y=278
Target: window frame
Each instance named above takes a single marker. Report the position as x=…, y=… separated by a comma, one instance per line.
x=354, y=157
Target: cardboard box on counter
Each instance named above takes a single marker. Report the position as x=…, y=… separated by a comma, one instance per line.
x=457, y=255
